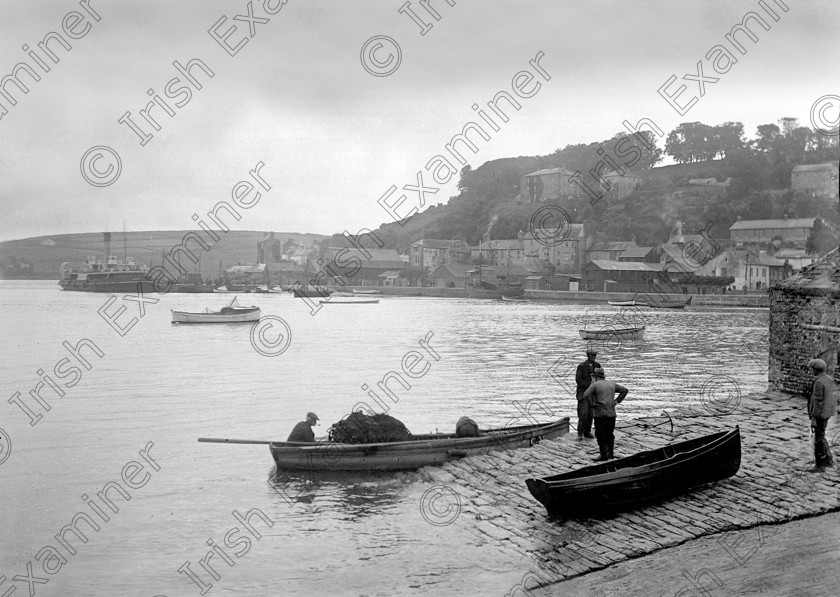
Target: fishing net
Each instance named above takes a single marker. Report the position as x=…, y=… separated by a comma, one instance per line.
x=359, y=428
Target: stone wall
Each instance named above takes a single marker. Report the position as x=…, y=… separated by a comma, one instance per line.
x=793, y=344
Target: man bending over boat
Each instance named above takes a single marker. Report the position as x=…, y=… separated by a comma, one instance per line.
x=303, y=430
x=601, y=398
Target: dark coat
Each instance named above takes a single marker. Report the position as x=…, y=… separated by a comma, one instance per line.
x=822, y=404
x=583, y=376
x=302, y=433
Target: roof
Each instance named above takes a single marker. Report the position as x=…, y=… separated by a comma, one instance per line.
x=551, y=171
x=576, y=231
x=791, y=254
x=246, y=269
x=614, y=174
x=638, y=266
x=434, y=243
x=612, y=246
x=389, y=274
x=767, y=224
x=379, y=258
x=453, y=270
x=823, y=274
x=637, y=252
x=501, y=244
x=816, y=167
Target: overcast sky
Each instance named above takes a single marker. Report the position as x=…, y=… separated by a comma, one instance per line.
x=333, y=137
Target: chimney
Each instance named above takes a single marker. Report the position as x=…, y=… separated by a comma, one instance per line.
x=485, y=238
x=107, y=239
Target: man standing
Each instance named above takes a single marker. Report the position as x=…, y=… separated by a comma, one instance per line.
x=601, y=398
x=583, y=378
x=822, y=405
x=303, y=430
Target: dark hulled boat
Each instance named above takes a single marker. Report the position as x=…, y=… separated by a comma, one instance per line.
x=644, y=478
x=105, y=276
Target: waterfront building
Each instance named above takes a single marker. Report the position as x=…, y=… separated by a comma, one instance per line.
x=605, y=275
x=358, y=267
x=563, y=250
x=428, y=253
x=749, y=269
x=791, y=231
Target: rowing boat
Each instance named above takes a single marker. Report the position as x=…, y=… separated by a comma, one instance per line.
x=421, y=450
x=653, y=304
x=613, y=334
x=644, y=478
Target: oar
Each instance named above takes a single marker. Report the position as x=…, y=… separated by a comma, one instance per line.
x=216, y=440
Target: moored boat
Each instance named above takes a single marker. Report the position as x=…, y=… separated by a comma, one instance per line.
x=110, y=275
x=653, y=304
x=348, y=301
x=613, y=334
x=231, y=313
x=644, y=478
x=311, y=291
x=366, y=292
x=421, y=450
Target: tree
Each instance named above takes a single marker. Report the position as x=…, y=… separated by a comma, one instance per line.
x=822, y=239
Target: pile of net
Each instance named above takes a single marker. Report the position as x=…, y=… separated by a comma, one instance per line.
x=359, y=428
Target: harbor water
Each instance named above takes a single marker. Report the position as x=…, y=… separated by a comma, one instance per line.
x=157, y=387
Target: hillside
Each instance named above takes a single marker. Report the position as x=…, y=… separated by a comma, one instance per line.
x=47, y=253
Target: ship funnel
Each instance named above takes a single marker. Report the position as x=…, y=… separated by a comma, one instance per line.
x=107, y=239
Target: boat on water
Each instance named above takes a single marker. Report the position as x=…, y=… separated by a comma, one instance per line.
x=231, y=313
x=366, y=292
x=613, y=334
x=652, y=304
x=348, y=301
x=311, y=291
x=266, y=289
x=511, y=299
x=105, y=276
x=644, y=478
x=191, y=284
x=421, y=450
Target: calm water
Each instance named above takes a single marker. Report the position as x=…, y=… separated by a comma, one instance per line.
x=356, y=535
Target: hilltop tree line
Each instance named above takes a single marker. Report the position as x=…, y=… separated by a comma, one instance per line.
x=760, y=168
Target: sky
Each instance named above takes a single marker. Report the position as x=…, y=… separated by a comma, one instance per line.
x=334, y=138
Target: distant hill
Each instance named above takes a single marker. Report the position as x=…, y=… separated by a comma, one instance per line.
x=45, y=254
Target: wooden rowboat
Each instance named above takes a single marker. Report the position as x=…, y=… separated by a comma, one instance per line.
x=232, y=313
x=613, y=334
x=653, y=304
x=421, y=450
x=644, y=478
x=358, y=291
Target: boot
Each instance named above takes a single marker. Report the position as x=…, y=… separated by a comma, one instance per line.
x=603, y=457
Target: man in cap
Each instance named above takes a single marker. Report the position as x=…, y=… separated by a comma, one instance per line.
x=583, y=378
x=602, y=400
x=822, y=405
x=303, y=430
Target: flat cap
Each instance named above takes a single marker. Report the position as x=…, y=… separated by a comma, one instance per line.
x=591, y=351
x=599, y=372
x=817, y=364
x=311, y=415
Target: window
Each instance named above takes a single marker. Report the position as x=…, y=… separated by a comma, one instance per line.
x=723, y=271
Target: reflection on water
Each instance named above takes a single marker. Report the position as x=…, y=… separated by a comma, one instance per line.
x=345, y=534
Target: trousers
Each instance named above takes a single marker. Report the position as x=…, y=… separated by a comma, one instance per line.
x=822, y=451
x=605, y=434
x=584, y=418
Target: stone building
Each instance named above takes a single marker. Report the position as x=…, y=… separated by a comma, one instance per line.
x=817, y=180
x=805, y=324
x=564, y=250
x=428, y=253
x=622, y=185
x=551, y=184
x=793, y=231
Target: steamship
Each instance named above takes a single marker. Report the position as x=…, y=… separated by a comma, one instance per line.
x=110, y=275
